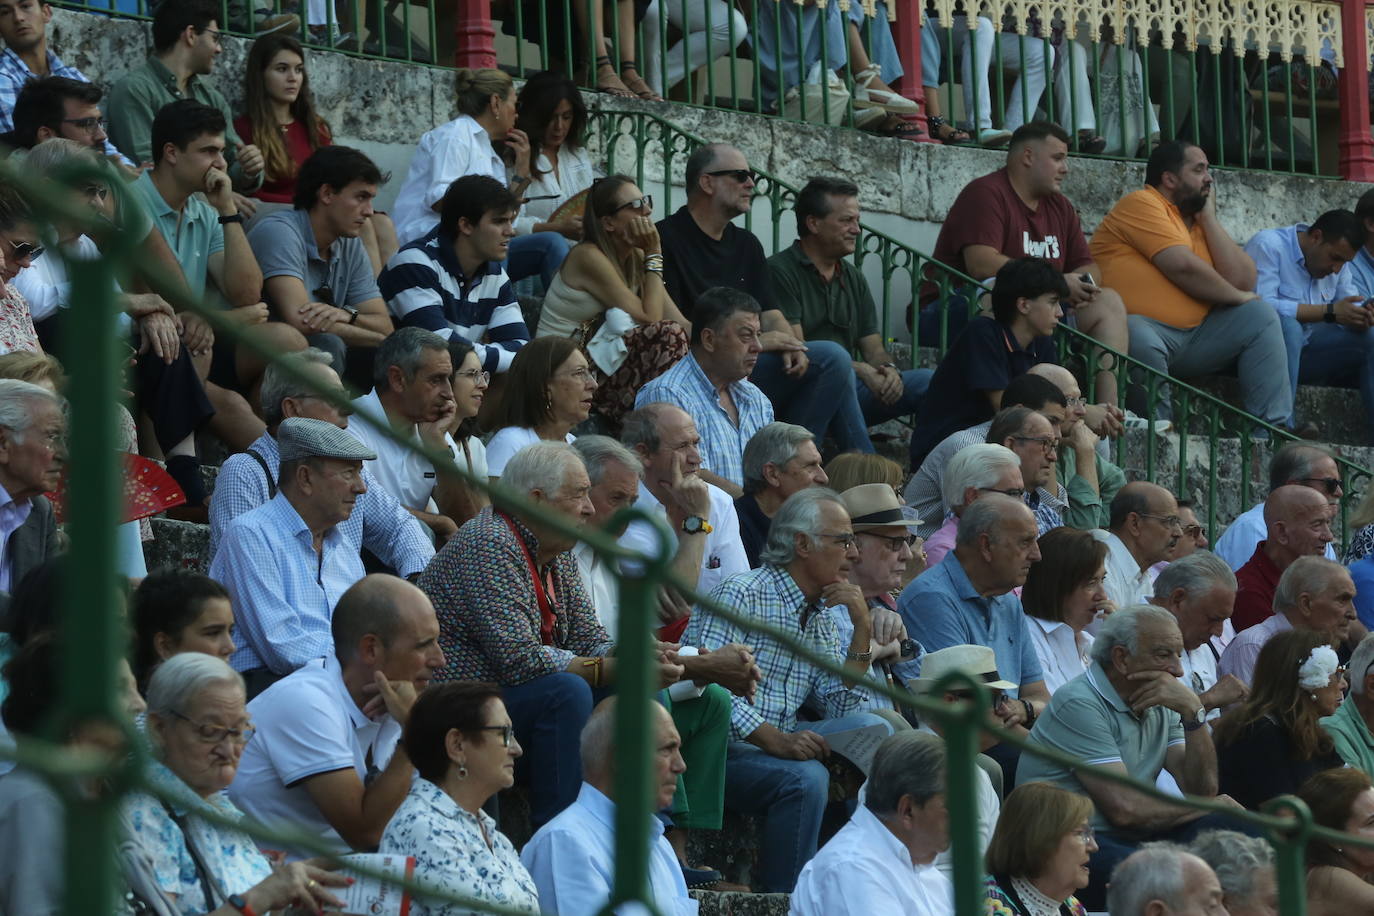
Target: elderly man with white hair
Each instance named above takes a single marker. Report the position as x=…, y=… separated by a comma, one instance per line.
x=33, y=449
x=1244, y=866
x=1352, y=727
x=882, y=861
x=1164, y=879
x=973, y=471
x=1200, y=590
x=779, y=460
x=774, y=763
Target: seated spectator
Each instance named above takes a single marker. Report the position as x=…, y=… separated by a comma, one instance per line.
x=1339, y=799
x=198, y=727
x=1033, y=436
x=1091, y=481
x=452, y=280
x=325, y=758
x=1244, y=867
x=1039, y=853
x=186, y=41
x=1063, y=594
x=1349, y=725
x=1194, y=535
x=175, y=611
x=572, y=857
x=317, y=276
x=883, y=859
x=712, y=383
x=33, y=451
x=1361, y=523
x=469, y=382
x=1300, y=275
x=19, y=232
x=1189, y=288
x=552, y=114
x=1313, y=594
x=609, y=296
x=972, y=472
x=1300, y=463
x=548, y=392
x=826, y=297
x=774, y=765
x=247, y=480
x=968, y=600
x=1162, y=878
x=286, y=563
x=1143, y=528
x=925, y=491
x=1297, y=520
x=280, y=120
x=992, y=350
x=811, y=384
x=853, y=469
x=27, y=58
x=1135, y=661
x=1200, y=591
x=56, y=106
x=466, y=146
x=462, y=743
x=779, y=459
x=1019, y=211
x=1298, y=679
x=412, y=395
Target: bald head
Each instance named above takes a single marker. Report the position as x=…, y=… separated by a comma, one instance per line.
x=598, y=741
x=375, y=605
x=1062, y=378
x=1145, y=517
x=1297, y=521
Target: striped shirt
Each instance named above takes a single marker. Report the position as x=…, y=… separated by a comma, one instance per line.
x=424, y=286
x=14, y=73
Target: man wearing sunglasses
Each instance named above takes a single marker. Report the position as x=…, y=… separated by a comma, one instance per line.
x=1298, y=463
x=1297, y=524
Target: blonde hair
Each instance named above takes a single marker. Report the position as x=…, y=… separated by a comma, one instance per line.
x=33, y=367
x=473, y=88
x=854, y=469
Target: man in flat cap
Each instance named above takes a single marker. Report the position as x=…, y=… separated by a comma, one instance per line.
x=285, y=563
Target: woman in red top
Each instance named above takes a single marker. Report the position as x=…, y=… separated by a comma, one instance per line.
x=280, y=120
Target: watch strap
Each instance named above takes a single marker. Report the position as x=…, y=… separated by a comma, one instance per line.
x=238, y=903
x=231, y=218
x=1329, y=316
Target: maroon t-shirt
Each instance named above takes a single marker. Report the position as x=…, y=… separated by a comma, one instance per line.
x=988, y=212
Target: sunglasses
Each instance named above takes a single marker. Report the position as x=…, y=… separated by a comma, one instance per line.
x=24, y=250
x=740, y=175
x=1013, y=492
x=1329, y=484
x=324, y=295
x=639, y=203
x=895, y=544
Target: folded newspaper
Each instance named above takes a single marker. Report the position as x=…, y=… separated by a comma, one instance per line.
x=369, y=896
x=857, y=745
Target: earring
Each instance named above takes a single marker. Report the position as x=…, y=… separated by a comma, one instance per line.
x=462, y=771
x=1313, y=697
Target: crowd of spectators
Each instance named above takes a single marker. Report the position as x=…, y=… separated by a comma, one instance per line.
x=379, y=648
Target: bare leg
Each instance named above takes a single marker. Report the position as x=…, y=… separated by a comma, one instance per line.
x=590, y=21
x=1104, y=320
x=276, y=336
x=627, y=53
x=858, y=58
x=233, y=423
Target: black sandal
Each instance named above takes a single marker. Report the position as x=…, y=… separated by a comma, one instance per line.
x=946, y=132
x=644, y=92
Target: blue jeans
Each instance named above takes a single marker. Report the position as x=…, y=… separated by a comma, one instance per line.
x=548, y=713
x=791, y=795
x=540, y=253
x=1333, y=355
x=823, y=399
x=914, y=385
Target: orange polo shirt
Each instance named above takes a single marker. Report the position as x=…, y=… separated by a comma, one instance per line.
x=1140, y=226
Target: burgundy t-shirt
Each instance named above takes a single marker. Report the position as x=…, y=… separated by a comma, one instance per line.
x=988, y=212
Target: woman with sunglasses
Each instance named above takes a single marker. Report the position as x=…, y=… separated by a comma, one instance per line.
x=609, y=297
x=462, y=743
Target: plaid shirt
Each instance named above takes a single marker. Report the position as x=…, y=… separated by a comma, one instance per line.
x=722, y=442
x=770, y=595
x=14, y=73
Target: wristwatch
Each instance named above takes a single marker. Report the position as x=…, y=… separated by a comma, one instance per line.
x=859, y=656
x=231, y=218
x=238, y=903
x=695, y=524
x=352, y=313
x=1329, y=316
x=1196, y=720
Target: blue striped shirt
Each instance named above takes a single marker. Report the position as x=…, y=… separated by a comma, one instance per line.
x=722, y=442
x=14, y=73
x=424, y=287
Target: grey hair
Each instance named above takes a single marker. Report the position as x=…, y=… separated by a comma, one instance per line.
x=1360, y=660
x=1123, y=629
x=17, y=402
x=1152, y=872
x=982, y=518
x=800, y=514
x=639, y=427
x=978, y=465
x=775, y=444
x=697, y=163
x=1197, y=574
x=1294, y=461
x=542, y=466
x=598, y=736
x=177, y=681
x=55, y=152
x=1236, y=858
x=404, y=348
x=277, y=385
x=598, y=451
x=1305, y=575
x=907, y=763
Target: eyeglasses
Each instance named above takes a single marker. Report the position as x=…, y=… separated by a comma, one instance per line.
x=1076, y=402
x=89, y=125
x=1170, y=521
x=1013, y=492
x=1048, y=443
x=214, y=734
x=639, y=203
x=215, y=35
x=895, y=543
x=1329, y=484
x=844, y=538
x=1085, y=834
x=97, y=193
x=581, y=374
x=324, y=294
x=476, y=376
x=507, y=732
x=22, y=250
x=740, y=175
x=1193, y=531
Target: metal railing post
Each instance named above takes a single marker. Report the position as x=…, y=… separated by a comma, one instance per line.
x=907, y=35
x=1357, y=149
x=474, y=36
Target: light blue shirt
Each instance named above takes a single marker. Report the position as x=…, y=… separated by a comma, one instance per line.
x=1361, y=272
x=941, y=608
x=572, y=861
x=282, y=590
x=1283, y=278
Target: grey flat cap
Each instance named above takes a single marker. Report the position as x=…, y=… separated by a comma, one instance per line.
x=298, y=437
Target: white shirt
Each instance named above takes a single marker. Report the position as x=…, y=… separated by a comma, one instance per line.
x=1126, y=584
x=1238, y=542
x=307, y=724
x=1243, y=651
x=1200, y=672
x=444, y=154
x=866, y=871
x=507, y=442
x=406, y=474
x=46, y=286
x=989, y=808
x=724, y=554
x=575, y=173
x=1063, y=654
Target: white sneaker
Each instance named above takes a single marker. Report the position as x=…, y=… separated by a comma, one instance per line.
x=1134, y=422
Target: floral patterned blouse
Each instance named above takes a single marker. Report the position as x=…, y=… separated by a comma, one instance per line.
x=1000, y=903
x=451, y=853
x=16, y=323
x=231, y=855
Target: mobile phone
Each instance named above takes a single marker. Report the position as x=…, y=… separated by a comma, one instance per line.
x=1087, y=279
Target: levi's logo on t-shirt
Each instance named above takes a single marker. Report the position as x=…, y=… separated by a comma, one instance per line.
x=1048, y=249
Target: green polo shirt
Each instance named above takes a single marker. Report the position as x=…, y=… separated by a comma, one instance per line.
x=1351, y=736
x=1087, y=719
x=137, y=98
x=841, y=310
x=1088, y=508
x=193, y=234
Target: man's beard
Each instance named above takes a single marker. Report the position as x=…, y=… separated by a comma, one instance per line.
x=1193, y=203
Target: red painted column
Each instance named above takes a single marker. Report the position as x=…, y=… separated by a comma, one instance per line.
x=474, y=33
x=1357, y=149
x=906, y=32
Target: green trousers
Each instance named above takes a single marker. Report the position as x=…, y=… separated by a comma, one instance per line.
x=704, y=725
